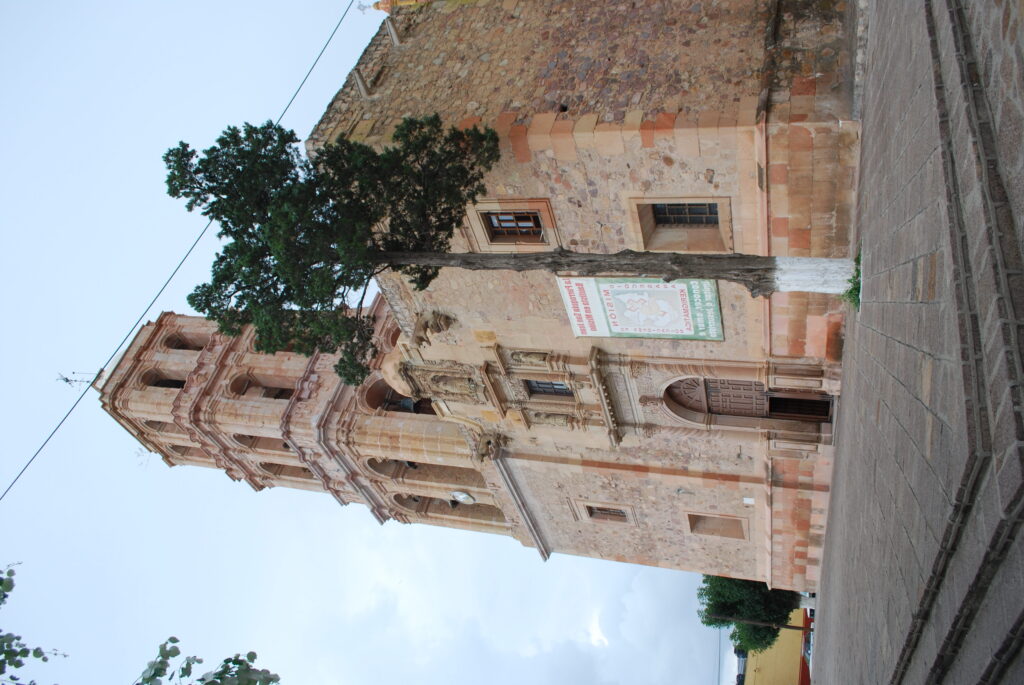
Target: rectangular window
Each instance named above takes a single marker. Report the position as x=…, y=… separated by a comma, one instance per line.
x=682, y=215
x=607, y=514
x=549, y=388
x=719, y=526
x=513, y=227
x=696, y=224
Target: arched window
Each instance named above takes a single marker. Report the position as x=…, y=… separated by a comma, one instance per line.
x=726, y=397
x=186, y=341
x=245, y=385
x=163, y=378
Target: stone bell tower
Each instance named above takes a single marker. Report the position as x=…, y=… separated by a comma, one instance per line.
x=285, y=420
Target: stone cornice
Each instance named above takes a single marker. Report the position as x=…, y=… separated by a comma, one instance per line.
x=198, y=400
x=341, y=405
x=508, y=481
x=604, y=396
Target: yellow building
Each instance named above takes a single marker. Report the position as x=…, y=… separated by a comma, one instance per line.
x=783, y=663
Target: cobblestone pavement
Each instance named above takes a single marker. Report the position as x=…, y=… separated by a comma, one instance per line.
x=923, y=577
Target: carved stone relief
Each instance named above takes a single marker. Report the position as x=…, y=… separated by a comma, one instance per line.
x=528, y=358
x=621, y=399
x=689, y=393
x=552, y=419
x=447, y=381
x=429, y=326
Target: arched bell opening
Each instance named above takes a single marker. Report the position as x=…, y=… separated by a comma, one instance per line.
x=187, y=451
x=300, y=473
x=381, y=396
x=436, y=508
x=413, y=472
x=263, y=444
x=190, y=341
x=163, y=427
x=163, y=378
x=249, y=386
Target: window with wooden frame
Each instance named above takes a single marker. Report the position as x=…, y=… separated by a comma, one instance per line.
x=542, y=389
x=607, y=514
x=603, y=512
x=511, y=225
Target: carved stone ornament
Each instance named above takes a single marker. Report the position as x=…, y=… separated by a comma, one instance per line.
x=528, y=358
x=551, y=419
x=489, y=445
x=688, y=392
x=447, y=381
x=429, y=325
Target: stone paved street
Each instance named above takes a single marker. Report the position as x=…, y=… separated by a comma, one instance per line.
x=923, y=578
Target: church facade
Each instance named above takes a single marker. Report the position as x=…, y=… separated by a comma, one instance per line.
x=682, y=425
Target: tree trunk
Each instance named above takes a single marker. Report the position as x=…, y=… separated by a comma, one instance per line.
x=762, y=276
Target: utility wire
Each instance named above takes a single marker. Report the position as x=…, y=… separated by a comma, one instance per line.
x=167, y=282
x=110, y=358
x=317, y=60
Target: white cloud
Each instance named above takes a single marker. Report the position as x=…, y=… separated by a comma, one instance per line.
x=597, y=636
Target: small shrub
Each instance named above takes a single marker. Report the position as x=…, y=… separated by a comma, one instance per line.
x=852, y=294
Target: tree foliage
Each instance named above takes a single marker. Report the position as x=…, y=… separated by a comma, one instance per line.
x=236, y=670
x=305, y=239
x=732, y=598
x=14, y=653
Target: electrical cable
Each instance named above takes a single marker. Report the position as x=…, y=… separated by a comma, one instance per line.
x=167, y=282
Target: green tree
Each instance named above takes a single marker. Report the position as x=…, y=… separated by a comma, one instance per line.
x=14, y=653
x=306, y=238
x=728, y=602
x=236, y=670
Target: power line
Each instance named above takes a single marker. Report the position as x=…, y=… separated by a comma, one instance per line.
x=167, y=282
x=317, y=60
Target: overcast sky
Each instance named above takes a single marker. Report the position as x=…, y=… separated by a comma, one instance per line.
x=117, y=551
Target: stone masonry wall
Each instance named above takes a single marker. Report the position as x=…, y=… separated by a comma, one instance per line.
x=489, y=58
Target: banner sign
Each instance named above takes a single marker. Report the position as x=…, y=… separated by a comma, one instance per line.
x=686, y=309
